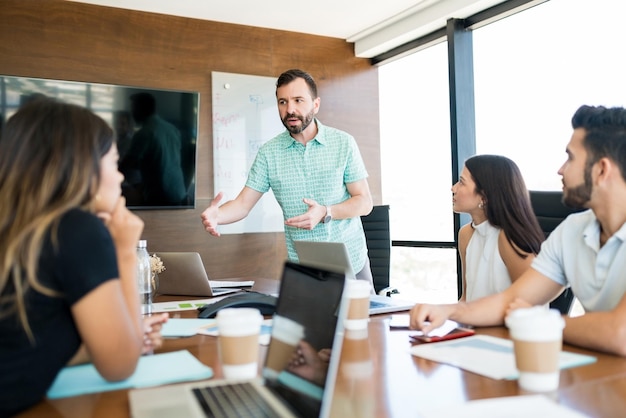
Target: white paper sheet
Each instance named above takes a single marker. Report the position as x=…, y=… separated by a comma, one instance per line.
x=183, y=305
x=445, y=329
x=485, y=355
x=185, y=327
x=506, y=407
x=231, y=283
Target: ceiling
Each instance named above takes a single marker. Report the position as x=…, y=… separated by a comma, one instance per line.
x=374, y=26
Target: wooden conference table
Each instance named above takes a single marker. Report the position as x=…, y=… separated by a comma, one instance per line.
x=380, y=378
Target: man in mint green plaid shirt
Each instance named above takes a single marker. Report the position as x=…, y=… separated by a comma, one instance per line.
x=316, y=173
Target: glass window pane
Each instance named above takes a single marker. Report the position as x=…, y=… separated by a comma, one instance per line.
x=426, y=275
x=534, y=69
x=415, y=145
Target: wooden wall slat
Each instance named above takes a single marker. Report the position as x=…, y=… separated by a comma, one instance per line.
x=74, y=41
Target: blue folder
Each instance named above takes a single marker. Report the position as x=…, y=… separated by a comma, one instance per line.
x=155, y=370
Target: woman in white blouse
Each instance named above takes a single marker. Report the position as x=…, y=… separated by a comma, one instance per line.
x=504, y=235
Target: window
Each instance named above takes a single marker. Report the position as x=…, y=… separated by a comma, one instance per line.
x=534, y=69
x=416, y=166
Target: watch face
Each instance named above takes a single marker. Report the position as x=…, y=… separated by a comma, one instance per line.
x=328, y=216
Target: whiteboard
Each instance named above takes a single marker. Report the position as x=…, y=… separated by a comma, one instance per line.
x=245, y=116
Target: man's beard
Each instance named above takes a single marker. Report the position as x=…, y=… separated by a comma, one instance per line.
x=578, y=196
x=306, y=121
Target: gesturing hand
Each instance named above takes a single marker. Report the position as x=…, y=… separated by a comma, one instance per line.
x=209, y=216
x=310, y=218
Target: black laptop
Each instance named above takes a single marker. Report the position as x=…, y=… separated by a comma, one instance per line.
x=310, y=296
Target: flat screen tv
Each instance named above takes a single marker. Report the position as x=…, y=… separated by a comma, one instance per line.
x=156, y=133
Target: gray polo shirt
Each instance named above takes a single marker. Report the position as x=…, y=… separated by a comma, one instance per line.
x=572, y=256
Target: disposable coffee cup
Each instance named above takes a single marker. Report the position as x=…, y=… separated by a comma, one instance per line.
x=286, y=334
x=537, y=335
x=238, y=341
x=355, y=390
x=356, y=360
x=358, y=293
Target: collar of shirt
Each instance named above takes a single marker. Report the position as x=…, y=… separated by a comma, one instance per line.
x=591, y=234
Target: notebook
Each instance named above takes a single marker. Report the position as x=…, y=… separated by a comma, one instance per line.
x=334, y=257
x=309, y=297
x=185, y=274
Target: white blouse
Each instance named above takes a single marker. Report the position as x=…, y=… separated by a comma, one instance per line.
x=485, y=272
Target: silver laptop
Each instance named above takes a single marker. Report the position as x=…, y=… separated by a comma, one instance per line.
x=309, y=296
x=334, y=257
x=185, y=274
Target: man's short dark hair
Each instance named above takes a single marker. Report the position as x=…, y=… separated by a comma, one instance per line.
x=605, y=133
x=290, y=75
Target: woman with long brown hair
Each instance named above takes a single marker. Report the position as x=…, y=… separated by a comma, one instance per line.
x=504, y=235
x=68, y=292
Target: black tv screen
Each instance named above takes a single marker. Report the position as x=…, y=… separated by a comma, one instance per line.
x=156, y=133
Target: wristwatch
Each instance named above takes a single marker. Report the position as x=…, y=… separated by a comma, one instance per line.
x=328, y=216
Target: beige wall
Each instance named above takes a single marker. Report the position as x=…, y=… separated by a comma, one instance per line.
x=72, y=41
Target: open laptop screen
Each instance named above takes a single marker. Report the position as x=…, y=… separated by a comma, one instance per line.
x=299, y=365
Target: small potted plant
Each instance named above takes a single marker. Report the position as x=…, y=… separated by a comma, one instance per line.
x=156, y=267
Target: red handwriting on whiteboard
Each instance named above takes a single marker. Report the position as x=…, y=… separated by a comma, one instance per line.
x=222, y=142
x=225, y=121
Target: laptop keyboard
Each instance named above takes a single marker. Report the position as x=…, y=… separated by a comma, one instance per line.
x=233, y=400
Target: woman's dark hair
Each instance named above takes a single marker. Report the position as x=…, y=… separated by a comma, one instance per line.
x=290, y=75
x=508, y=206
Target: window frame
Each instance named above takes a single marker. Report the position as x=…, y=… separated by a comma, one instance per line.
x=458, y=34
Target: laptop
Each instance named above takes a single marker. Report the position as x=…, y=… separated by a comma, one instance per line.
x=334, y=257
x=185, y=274
x=312, y=298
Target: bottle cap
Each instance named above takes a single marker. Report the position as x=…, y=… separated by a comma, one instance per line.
x=142, y=243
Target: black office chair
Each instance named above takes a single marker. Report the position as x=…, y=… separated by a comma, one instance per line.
x=550, y=211
x=378, y=237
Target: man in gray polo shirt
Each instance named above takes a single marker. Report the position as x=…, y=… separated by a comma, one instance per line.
x=587, y=251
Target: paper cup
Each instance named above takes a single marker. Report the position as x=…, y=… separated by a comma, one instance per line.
x=356, y=360
x=238, y=341
x=537, y=335
x=358, y=293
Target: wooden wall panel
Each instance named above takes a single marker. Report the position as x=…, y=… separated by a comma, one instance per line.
x=73, y=41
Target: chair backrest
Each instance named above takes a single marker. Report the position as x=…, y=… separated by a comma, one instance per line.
x=378, y=237
x=549, y=209
x=550, y=212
